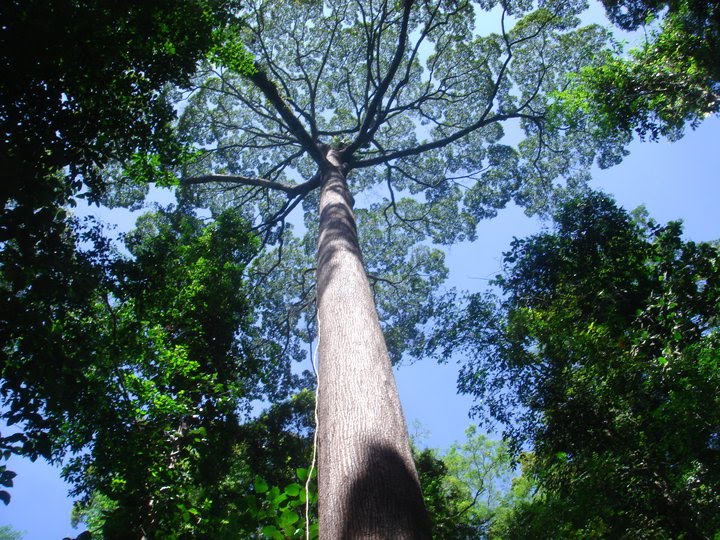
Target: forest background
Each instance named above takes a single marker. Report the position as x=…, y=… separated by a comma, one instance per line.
x=707, y=182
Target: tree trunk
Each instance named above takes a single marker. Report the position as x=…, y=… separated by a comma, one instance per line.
x=367, y=483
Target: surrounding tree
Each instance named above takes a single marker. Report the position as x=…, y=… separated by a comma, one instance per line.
x=340, y=98
x=262, y=491
x=142, y=365
x=602, y=354
x=670, y=81
x=465, y=486
x=81, y=83
x=148, y=376
x=8, y=533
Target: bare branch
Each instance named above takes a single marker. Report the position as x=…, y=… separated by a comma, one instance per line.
x=268, y=88
x=371, y=121
x=292, y=191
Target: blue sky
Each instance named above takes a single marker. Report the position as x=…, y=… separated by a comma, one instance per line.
x=674, y=180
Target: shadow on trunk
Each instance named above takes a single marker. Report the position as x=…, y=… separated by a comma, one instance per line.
x=395, y=512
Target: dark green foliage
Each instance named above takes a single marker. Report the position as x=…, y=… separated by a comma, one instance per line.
x=142, y=367
x=632, y=14
x=180, y=374
x=8, y=533
x=80, y=84
x=139, y=365
x=83, y=81
x=278, y=442
x=603, y=353
x=444, y=501
x=239, y=503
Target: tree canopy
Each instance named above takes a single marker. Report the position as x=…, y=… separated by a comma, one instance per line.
x=464, y=487
x=83, y=83
x=412, y=97
x=602, y=354
x=424, y=112
x=666, y=83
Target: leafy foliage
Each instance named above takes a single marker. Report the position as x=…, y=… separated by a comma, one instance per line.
x=82, y=81
x=146, y=373
x=141, y=366
x=425, y=115
x=463, y=487
x=660, y=87
x=357, y=78
x=240, y=503
x=603, y=354
x=168, y=369
x=8, y=533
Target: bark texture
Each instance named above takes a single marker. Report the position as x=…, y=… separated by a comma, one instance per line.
x=367, y=482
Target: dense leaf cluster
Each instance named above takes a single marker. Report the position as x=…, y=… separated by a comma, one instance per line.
x=603, y=353
x=463, y=487
x=670, y=81
x=83, y=81
x=424, y=113
x=140, y=373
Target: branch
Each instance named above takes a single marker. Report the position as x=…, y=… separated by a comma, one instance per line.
x=483, y=121
x=313, y=86
x=439, y=143
x=430, y=25
x=281, y=214
x=291, y=191
x=392, y=204
x=367, y=129
x=270, y=91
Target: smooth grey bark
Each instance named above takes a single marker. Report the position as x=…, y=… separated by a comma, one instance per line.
x=367, y=483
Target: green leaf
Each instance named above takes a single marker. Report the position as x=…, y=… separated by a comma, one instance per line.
x=260, y=485
x=271, y=531
x=288, y=518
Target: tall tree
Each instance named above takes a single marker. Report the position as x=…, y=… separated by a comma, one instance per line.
x=82, y=83
x=144, y=368
x=603, y=354
x=404, y=95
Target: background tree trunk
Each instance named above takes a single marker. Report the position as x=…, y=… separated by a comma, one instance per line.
x=367, y=483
